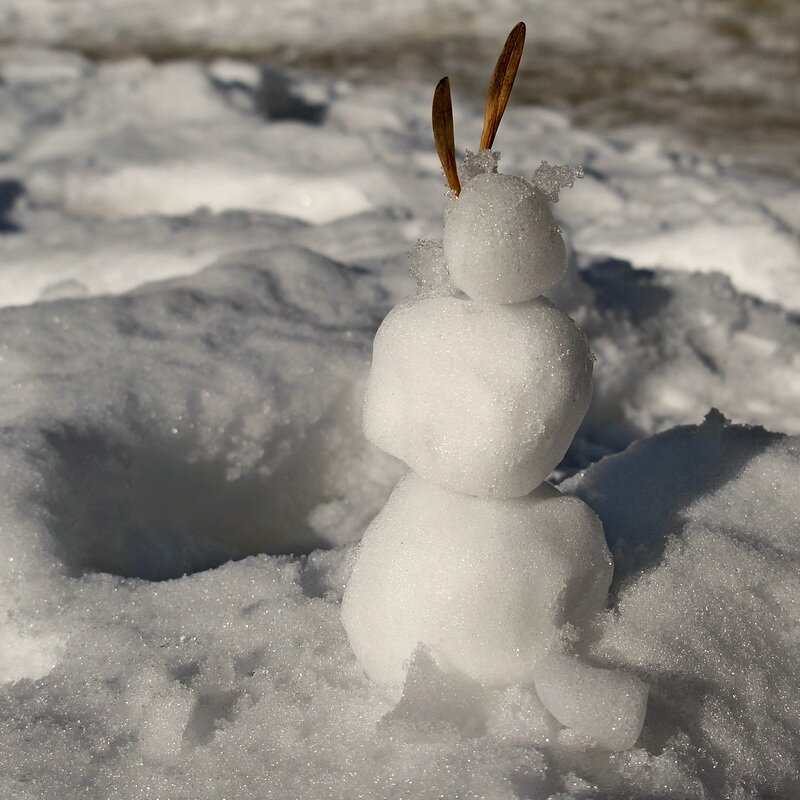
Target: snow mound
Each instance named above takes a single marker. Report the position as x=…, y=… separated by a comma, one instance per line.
x=176, y=408
x=669, y=346
x=707, y=602
x=240, y=679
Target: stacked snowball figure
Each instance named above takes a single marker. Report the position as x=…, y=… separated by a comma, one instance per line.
x=479, y=384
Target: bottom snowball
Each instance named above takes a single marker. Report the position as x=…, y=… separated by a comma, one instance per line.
x=484, y=584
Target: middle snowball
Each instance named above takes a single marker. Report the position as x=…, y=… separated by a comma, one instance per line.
x=480, y=399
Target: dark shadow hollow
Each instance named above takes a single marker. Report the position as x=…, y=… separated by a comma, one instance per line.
x=620, y=287
x=10, y=191
x=143, y=507
x=279, y=98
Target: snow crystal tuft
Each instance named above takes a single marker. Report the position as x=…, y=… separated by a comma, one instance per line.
x=549, y=180
x=478, y=163
x=427, y=266
x=428, y=572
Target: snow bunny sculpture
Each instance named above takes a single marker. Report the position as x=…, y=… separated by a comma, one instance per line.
x=479, y=384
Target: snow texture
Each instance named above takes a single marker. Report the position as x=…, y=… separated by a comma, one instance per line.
x=550, y=180
x=427, y=266
x=154, y=429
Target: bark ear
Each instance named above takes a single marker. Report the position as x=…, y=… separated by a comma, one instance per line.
x=443, y=135
x=505, y=71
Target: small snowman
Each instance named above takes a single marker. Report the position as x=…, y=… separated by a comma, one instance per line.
x=479, y=384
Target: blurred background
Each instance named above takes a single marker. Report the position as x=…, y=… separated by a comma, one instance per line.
x=141, y=141
x=722, y=73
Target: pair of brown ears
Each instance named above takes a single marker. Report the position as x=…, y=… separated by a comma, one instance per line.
x=505, y=71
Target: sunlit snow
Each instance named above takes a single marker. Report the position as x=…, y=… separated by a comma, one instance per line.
x=195, y=257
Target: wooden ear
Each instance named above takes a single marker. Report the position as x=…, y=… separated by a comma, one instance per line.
x=443, y=135
x=505, y=71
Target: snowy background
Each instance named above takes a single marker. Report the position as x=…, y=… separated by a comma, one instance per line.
x=205, y=210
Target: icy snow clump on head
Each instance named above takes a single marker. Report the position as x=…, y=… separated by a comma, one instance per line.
x=551, y=179
x=482, y=399
x=478, y=163
x=427, y=266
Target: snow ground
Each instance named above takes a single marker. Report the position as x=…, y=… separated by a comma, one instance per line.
x=162, y=416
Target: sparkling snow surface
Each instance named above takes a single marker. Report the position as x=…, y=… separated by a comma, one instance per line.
x=151, y=431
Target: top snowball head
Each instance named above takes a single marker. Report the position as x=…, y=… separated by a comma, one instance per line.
x=501, y=242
